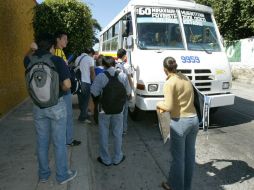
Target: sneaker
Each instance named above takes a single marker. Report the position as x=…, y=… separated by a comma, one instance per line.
x=72, y=175
x=43, y=180
x=165, y=186
x=74, y=143
x=88, y=121
x=100, y=161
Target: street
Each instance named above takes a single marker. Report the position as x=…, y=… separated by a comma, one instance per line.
x=224, y=154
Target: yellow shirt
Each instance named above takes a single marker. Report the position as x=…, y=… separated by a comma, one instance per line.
x=60, y=53
x=178, y=96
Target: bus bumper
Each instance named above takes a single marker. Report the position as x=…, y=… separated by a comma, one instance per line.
x=149, y=103
x=222, y=100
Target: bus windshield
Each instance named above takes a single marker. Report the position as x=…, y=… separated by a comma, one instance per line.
x=200, y=31
x=158, y=28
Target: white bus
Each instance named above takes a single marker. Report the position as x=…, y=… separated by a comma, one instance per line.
x=151, y=30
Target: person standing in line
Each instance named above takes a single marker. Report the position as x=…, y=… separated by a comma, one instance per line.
x=126, y=68
x=50, y=121
x=184, y=126
x=61, y=42
x=86, y=63
x=107, y=120
x=98, y=69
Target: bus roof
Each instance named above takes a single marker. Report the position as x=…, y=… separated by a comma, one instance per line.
x=185, y=4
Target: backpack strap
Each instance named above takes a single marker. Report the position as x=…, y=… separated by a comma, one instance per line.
x=81, y=60
x=78, y=65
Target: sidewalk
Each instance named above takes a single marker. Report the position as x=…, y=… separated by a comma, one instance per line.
x=18, y=163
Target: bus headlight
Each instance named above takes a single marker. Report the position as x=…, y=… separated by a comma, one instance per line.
x=225, y=85
x=152, y=87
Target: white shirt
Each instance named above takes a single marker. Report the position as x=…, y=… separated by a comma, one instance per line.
x=124, y=66
x=86, y=63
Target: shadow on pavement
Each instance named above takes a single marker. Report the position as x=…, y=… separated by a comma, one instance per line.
x=240, y=113
x=220, y=172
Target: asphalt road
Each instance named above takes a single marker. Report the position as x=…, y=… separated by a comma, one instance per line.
x=224, y=158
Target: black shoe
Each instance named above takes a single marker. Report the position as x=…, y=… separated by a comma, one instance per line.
x=100, y=160
x=120, y=161
x=74, y=143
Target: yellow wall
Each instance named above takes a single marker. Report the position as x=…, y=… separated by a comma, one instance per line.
x=16, y=34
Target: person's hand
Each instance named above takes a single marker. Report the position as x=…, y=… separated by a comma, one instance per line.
x=160, y=110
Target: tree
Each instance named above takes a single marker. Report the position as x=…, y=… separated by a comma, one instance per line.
x=234, y=17
x=71, y=16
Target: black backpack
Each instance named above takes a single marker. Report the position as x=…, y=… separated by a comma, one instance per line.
x=76, y=78
x=113, y=96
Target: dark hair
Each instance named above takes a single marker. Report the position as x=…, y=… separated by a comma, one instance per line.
x=99, y=60
x=108, y=61
x=169, y=63
x=89, y=51
x=59, y=34
x=121, y=52
x=45, y=41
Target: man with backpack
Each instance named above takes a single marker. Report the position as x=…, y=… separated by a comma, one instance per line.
x=47, y=78
x=85, y=62
x=126, y=68
x=111, y=89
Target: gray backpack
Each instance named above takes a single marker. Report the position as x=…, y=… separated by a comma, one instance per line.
x=42, y=81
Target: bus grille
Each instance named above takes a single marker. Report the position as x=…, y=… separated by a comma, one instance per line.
x=202, y=78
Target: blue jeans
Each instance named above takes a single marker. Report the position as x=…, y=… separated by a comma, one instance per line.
x=51, y=123
x=83, y=99
x=183, y=133
x=116, y=122
x=125, y=116
x=69, y=124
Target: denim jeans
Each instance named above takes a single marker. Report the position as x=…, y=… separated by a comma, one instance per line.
x=69, y=124
x=125, y=116
x=116, y=122
x=183, y=133
x=50, y=123
x=83, y=99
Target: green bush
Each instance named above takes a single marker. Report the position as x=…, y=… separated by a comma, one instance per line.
x=71, y=16
x=234, y=17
